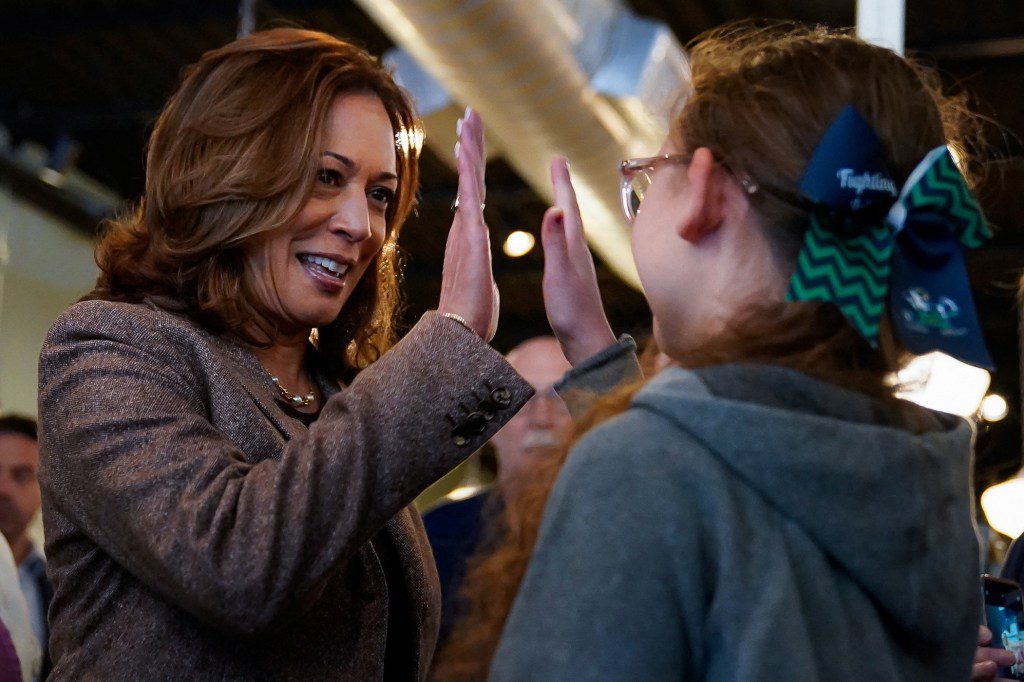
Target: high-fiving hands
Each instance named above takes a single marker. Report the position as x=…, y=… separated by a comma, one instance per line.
x=468, y=289
x=571, y=295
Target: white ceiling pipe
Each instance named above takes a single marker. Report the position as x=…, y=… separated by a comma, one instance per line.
x=881, y=22
x=514, y=63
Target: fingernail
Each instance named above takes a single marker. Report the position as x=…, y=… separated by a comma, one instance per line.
x=469, y=110
x=458, y=127
x=457, y=147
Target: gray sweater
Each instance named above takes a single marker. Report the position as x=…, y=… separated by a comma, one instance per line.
x=748, y=522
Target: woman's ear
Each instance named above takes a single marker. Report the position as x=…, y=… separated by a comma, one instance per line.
x=704, y=207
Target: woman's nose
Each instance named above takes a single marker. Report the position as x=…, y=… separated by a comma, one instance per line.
x=351, y=217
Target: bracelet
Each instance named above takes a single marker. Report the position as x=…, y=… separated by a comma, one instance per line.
x=460, y=319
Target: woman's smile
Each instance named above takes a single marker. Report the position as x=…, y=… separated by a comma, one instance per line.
x=327, y=271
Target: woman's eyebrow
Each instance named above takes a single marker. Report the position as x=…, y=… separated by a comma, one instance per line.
x=344, y=160
x=349, y=163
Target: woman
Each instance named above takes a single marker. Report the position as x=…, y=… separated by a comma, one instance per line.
x=765, y=507
x=222, y=498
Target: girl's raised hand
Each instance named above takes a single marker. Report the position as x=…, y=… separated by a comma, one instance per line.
x=571, y=296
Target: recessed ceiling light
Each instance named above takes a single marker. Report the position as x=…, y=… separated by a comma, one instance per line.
x=518, y=244
x=993, y=408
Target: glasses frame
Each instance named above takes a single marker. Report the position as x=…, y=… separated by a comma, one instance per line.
x=628, y=168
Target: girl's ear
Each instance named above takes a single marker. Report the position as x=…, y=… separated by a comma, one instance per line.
x=704, y=207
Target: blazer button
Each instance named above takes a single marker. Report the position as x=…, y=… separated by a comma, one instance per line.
x=487, y=409
x=501, y=397
x=475, y=423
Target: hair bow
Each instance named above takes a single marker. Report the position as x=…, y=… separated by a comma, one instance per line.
x=869, y=245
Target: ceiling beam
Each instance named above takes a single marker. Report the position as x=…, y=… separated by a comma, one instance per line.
x=53, y=200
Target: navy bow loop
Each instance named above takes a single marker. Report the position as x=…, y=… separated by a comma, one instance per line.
x=868, y=244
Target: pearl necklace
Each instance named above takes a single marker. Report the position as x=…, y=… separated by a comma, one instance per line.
x=294, y=400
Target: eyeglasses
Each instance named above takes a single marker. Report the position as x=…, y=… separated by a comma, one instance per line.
x=636, y=180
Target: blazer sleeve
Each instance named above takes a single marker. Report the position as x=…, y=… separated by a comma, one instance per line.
x=130, y=457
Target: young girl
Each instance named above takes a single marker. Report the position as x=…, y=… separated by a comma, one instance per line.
x=765, y=508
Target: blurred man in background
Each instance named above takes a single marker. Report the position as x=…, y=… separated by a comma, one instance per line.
x=456, y=526
x=19, y=504
x=532, y=433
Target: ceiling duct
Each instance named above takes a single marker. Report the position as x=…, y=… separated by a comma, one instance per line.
x=48, y=178
x=583, y=78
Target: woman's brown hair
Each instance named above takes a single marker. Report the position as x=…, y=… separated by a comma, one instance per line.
x=762, y=97
x=234, y=154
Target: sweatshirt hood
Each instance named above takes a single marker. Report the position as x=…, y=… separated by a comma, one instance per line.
x=879, y=500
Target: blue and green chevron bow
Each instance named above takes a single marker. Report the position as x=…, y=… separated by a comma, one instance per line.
x=867, y=246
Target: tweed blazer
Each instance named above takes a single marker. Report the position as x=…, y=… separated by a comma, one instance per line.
x=196, y=531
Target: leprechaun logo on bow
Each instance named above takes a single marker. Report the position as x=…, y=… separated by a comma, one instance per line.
x=868, y=246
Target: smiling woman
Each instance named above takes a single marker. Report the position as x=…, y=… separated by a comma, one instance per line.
x=223, y=497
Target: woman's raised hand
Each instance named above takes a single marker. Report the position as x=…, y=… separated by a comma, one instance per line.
x=571, y=297
x=468, y=289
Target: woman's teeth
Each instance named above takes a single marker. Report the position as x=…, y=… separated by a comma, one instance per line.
x=332, y=267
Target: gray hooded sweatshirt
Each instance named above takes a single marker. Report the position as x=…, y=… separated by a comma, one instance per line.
x=748, y=522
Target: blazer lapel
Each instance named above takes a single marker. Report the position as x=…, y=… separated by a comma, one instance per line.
x=254, y=380
x=242, y=366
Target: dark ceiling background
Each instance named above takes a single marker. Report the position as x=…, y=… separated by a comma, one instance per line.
x=97, y=72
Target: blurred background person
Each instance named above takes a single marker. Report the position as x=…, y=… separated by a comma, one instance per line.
x=988, y=659
x=530, y=435
x=20, y=655
x=19, y=503
x=455, y=526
